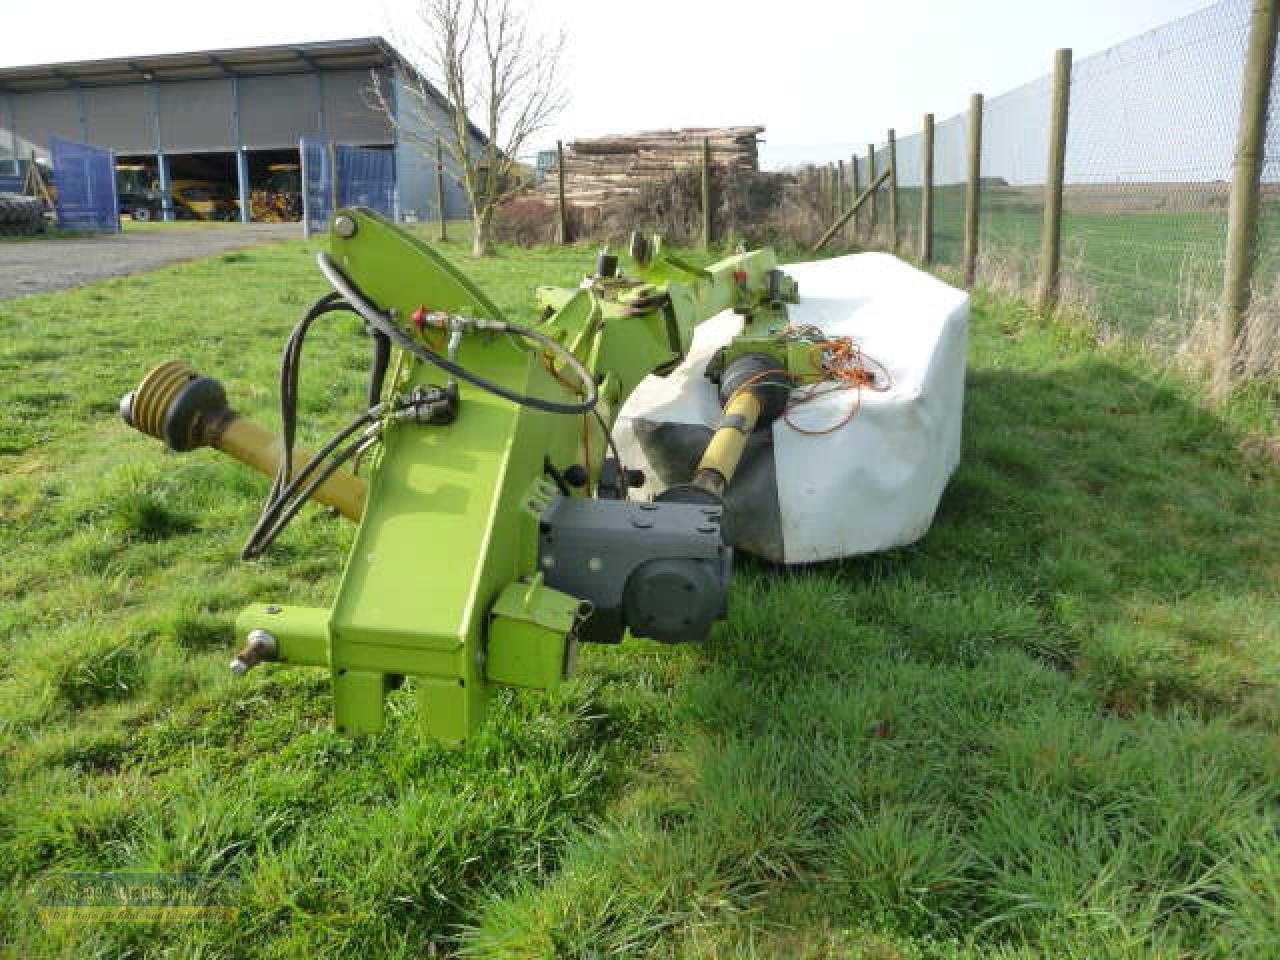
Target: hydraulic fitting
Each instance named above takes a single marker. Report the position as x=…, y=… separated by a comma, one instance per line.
x=453, y=322
x=434, y=406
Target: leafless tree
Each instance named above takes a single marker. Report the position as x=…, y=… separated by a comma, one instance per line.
x=490, y=61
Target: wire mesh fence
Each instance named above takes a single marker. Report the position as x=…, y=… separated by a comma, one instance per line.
x=365, y=178
x=1150, y=136
x=910, y=181
x=880, y=225
x=1151, y=132
x=344, y=176
x=85, y=187
x=950, y=140
x=317, y=183
x=1015, y=146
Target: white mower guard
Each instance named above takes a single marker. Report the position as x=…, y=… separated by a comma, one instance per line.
x=872, y=484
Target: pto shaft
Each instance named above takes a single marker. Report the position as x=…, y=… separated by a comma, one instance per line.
x=720, y=459
x=176, y=405
x=753, y=390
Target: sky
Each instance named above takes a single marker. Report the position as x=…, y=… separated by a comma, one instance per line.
x=823, y=77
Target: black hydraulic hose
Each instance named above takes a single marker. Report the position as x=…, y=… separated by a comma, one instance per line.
x=378, y=369
x=267, y=526
x=382, y=323
x=290, y=510
x=290, y=364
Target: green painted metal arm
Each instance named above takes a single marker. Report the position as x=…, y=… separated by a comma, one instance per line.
x=442, y=583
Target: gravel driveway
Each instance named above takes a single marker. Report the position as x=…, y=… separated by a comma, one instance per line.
x=33, y=266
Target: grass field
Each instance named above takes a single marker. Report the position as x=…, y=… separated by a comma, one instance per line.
x=1147, y=275
x=1050, y=729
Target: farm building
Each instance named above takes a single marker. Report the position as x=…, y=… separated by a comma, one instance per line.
x=230, y=118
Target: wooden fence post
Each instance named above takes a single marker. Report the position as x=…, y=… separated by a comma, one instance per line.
x=563, y=205
x=1051, y=229
x=1246, y=171
x=871, y=203
x=706, y=193
x=843, y=220
x=839, y=187
x=853, y=175
x=441, y=233
x=893, y=192
x=926, y=191
x=824, y=191
x=973, y=191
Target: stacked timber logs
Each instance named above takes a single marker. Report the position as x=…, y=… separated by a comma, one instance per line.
x=602, y=170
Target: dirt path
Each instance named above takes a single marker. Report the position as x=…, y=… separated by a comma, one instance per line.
x=35, y=266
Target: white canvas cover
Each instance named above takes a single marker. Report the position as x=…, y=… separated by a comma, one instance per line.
x=870, y=485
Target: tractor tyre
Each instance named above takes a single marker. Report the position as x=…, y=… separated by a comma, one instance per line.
x=140, y=214
x=21, y=216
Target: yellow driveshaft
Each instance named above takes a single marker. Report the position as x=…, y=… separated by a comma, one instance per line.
x=720, y=460
x=176, y=405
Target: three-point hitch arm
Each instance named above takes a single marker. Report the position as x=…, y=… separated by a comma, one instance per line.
x=494, y=526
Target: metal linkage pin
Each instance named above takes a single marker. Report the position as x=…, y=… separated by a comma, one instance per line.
x=259, y=646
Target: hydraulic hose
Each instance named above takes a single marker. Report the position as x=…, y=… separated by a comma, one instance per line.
x=281, y=510
x=290, y=365
x=288, y=494
x=384, y=325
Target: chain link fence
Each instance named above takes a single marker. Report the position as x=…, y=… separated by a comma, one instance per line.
x=1151, y=133
x=950, y=148
x=910, y=181
x=1014, y=160
x=1150, y=137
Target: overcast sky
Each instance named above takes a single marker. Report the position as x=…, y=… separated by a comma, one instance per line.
x=824, y=76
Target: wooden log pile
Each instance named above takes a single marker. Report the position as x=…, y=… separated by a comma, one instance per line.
x=603, y=170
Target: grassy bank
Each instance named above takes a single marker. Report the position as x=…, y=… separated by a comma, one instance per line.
x=1049, y=729
x=1146, y=274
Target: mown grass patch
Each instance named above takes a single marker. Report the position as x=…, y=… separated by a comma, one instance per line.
x=1048, y=729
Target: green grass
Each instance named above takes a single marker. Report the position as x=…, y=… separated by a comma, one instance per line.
x=1148, y=276
x=1050, y=729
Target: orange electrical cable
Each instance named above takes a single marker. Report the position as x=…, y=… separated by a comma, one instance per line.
x=843, y=366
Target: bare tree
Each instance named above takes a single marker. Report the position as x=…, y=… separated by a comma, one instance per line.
x=487, y=58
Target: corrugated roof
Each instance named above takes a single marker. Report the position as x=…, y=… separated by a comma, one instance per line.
x=362, y=53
